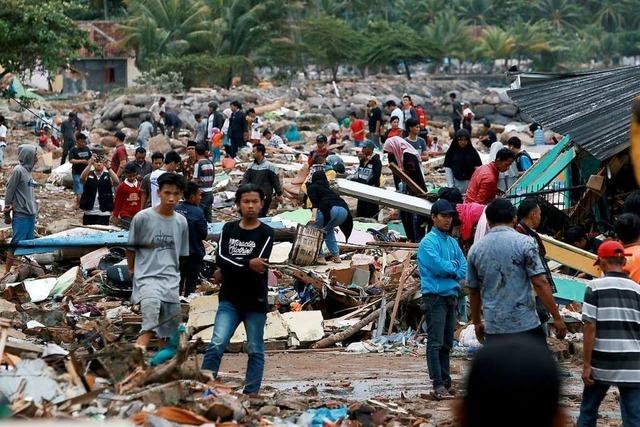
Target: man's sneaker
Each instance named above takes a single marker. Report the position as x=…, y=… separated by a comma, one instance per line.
x=452, y=391
x=321, y=261
x=441, y=393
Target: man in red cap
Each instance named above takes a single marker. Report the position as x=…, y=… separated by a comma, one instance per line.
x=611, y=316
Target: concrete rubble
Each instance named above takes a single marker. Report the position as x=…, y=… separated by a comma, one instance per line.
x=68, y=335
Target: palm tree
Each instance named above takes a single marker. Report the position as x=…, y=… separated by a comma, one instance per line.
x=449, y=35
x=158, y=27
x=562, y=14
x=475, y=11
x=418, y=13
x=497, y=44
x=611, y=14
x=531, y=39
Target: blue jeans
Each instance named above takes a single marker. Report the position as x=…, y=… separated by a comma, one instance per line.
x=228, y=319
x=592, y=397
x=440, y=314
x=338, y=215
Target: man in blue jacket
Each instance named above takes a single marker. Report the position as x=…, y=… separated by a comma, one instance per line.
x=442, y=266
x=190, y=266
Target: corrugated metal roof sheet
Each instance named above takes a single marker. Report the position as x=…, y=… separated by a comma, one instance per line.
x=594, y=108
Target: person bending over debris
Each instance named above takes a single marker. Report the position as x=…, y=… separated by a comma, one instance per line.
x=155, y=270
x=127, y=200
x=442, y=266
x=97, y=198
x=264, y=175
x=330, y=211
x=501, y=268
x=514, y=382
x=407, y=159
x=190, y=266
x=369, y=173
x=242, y=258
x=611, y=313
x=20, y=199
x=172, y=122
x=483, y=186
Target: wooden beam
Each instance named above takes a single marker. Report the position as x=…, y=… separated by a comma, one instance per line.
x=413, y=186
x=570, y=256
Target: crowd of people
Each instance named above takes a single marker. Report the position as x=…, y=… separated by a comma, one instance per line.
x=500, y=271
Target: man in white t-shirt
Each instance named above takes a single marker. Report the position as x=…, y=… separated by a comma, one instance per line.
x=171, y=162
x=394, y=111
x=3, y=139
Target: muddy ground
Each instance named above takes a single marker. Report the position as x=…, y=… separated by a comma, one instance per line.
x=401, y=379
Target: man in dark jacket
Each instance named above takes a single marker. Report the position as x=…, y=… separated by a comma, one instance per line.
x=529, y=219
x=264, y=175
x=190, y=266
x=368, y=173
x=238, y=128
x=172, y=123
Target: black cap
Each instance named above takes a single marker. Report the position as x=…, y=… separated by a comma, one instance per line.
x=191, y=143
x=442, y=206
x=321, y=138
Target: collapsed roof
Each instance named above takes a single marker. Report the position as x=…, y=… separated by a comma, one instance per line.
x=592, y=107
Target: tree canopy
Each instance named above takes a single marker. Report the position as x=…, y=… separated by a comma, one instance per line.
x=38, y=35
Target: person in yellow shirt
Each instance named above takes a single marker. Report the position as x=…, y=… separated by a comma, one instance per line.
x=628, y=231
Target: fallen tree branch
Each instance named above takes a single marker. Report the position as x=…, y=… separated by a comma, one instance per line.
x=351, y=330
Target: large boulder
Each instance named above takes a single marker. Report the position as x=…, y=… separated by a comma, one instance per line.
x=483, y=110
x=188, y=120
x=133, y=111
x=113, y=112
x=316, y=101
x=492, y=98
x=159, y=143
x=132, y=121
x=507, y=110
x=360, y=99
x=472, y=96
x=107, y=124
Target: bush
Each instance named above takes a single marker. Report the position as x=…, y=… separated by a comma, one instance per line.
x=203, y=70
x=159, y=81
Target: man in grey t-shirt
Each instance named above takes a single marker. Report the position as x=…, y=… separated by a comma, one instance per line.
x=501, y=269
x=156, y=269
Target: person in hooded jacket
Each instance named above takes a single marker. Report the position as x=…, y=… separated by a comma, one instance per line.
x=331, y=211
x=407, y=158
x=20, y=198
x=461, y=161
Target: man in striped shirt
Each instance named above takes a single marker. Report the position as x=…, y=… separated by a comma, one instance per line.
x=204, y=175
x=611, y=316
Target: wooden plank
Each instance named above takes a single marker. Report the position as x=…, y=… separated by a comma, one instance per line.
x=384, y=197
x=406, y=272
x=570, y=256
x=413, y=186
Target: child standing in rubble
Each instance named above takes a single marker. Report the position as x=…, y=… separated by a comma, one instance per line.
x=155, y=270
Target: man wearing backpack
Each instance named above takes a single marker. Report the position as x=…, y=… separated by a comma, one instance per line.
x=523, y=160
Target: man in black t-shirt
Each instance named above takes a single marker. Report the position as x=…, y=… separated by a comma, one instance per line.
x=243, y=254
x=374, y=113
x=79, y=156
